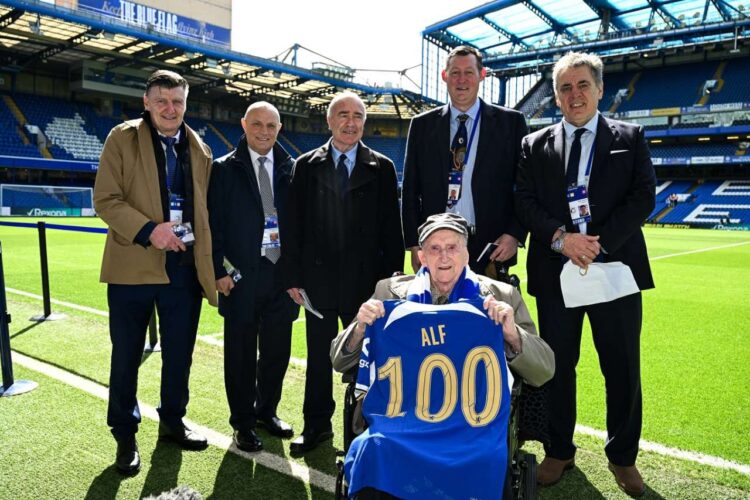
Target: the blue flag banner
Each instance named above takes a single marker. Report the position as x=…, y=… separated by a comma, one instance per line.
x=437, y=404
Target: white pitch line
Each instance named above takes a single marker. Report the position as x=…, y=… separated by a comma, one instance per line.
x=660, y=449
x=264, y=458
x=59, y=302
x=700, y=250
x=207, y=339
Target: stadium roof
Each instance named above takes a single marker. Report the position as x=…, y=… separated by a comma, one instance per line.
x=520, y=34
x=35, y=35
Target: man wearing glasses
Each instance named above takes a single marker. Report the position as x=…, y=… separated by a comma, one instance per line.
x=461, y=158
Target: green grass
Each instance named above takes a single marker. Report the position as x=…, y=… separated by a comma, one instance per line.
x=695, y=373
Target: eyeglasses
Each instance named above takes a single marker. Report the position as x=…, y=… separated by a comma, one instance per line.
x=437, y=250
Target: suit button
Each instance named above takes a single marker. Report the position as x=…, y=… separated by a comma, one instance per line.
x=318, y=262
x=361, y=194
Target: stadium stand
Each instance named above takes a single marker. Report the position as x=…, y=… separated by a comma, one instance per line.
x=712, y=202
x=11, y=143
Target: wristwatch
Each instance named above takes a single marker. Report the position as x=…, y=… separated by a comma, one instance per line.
x=559, y=243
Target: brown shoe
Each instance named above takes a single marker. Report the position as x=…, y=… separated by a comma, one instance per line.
x=628, y=479
x=551, y=470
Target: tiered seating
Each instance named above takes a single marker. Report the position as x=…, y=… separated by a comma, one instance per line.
x=10, y=142
x=672, y=187
x=532, y=103
x=69, y=134
x=736, y=75
x=693, y=150
x=306, y=142
x=669, y=86
x=232, y=131
x=64, y=124
x=218, y=147
x=712, y=202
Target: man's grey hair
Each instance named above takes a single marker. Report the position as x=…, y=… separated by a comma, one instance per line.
x=578, y=59
x=347, y=94
x=263, y=105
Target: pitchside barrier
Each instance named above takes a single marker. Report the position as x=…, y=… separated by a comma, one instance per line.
x=10, y=386
x=152, y=344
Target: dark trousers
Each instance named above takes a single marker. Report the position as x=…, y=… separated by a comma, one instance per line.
x=267, y=338
x=319, y=404
x=130, y=309
x=616, y=330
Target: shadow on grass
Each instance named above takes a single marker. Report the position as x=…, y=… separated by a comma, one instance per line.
x=164, y=468
x=574, y=484
x=105, y=485
x=24, y=330
x=239, y=478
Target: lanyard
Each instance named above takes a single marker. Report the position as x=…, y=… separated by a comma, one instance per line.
x=587, y=174
x=473, y=131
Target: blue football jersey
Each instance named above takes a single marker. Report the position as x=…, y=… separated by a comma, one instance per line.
x=437, y=404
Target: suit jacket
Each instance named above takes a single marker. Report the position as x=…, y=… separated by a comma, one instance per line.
x=428, y=161
x=337, y=250
x=237, y=220
x=535, y=363
x=128, y=195
x=621, y=195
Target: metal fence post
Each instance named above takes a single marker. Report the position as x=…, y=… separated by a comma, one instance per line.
x=10, y=386
x=47, y=315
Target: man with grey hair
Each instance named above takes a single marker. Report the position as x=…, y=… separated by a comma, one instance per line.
x=584, y=188
x=247, y=199
x=342, y=234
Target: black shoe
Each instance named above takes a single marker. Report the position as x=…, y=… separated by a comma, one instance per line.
x=309, y=440
x=276, y=427
x=247, y=440
x=182, y=435
x=128, y=460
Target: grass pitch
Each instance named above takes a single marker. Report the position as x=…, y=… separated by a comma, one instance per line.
x=695, y=371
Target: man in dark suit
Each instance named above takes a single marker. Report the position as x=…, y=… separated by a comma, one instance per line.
x=342, y=234
x=609, y=171
x=247, y=197
x=462, y=158
x=154, y=172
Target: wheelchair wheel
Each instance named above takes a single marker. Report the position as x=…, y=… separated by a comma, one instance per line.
x=528, y=490
x=341, y=492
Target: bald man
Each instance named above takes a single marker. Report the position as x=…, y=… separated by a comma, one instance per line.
x=246, y=199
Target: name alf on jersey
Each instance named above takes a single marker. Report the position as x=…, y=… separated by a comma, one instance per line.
x=429, y=338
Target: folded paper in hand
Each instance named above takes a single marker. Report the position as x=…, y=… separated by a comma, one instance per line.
x=308, y=305
x=603, y=282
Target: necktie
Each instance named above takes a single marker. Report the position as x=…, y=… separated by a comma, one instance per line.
x=571, y=173
x=266, y=196
x=343, y=175
x=458, y=146
x=171, y=159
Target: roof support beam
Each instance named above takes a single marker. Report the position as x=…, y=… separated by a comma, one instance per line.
x=721, y=6
x=556, y=27
x=10, y=18
x=507, y=34
x=607, y=13
x=61, y=47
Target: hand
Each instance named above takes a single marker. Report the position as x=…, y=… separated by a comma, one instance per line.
x=507, y=246
x=367, y=314
x=296, y=296
x=502, y=314
x=163, y=238
x=581, y=249
x=415, y=263
x=224, y=285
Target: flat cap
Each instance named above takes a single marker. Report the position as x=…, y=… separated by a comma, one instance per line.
x=454, y=222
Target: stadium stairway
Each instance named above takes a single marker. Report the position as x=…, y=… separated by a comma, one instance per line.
x=13, y=107
x=220, y=135
x=719, y=84
x=631, y=92
x=288, y=143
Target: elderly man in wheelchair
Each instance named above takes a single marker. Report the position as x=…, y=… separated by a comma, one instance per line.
x=438, y=375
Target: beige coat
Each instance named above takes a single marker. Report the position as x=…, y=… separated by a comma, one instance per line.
x=535, y=363
x=127, y=196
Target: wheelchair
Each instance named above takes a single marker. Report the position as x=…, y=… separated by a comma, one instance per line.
x=520, y=481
